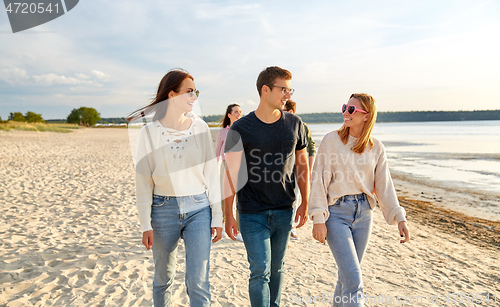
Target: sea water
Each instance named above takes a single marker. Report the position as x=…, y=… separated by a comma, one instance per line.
x=458, y=154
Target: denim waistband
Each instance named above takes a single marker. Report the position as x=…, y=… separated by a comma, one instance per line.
x=164, y=197
x=361, y=196
x=185, y=204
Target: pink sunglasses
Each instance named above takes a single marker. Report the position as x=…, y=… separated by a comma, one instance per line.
x=351, y=109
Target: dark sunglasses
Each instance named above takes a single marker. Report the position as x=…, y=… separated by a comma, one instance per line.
x=351, y=109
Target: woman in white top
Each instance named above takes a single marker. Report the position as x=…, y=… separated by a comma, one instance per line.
x=178, y=189
x=350, y=174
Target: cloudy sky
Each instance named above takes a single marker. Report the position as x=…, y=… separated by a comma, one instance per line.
x=110, y=55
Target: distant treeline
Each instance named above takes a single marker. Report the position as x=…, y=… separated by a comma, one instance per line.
x=111, y=120
x=212, y=118
x=414, y=116
x=120, y=120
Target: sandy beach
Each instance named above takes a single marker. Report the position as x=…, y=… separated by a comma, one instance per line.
x=69, y=236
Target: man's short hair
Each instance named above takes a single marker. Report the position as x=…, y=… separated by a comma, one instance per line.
x=269, y=75
x=291, y=105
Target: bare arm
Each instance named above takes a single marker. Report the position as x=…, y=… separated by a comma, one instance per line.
x=302, y=176
x=311, y=164
x=233, y=162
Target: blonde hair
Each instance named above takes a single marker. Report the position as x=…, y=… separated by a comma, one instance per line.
x=368, y=104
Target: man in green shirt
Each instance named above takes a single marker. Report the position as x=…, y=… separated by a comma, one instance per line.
x=291, y=107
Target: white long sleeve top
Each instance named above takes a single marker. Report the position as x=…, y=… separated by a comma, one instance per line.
x=171, y=163
x=339, y=171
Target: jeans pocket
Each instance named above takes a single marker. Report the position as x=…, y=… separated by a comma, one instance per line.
x=337, y=202
x=200, y=198
x=158, y=201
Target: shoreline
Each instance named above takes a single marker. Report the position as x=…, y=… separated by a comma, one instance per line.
x=476, y=204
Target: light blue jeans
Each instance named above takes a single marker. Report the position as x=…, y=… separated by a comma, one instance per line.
x=265, y=235
x=173, y=219
x=348, y=232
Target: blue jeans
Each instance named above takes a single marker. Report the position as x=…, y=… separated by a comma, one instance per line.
x=348, y=232
x=265, y=235
x=169, y=225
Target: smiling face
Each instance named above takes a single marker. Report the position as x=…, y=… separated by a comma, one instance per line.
x=235, y=114
x=275, y=97
x=357, y=119
x=184, y=99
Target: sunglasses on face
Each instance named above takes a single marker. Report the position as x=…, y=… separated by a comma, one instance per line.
x=351, y=109
x=193, y=93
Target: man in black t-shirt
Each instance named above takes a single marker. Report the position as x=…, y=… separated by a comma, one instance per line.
x=261, y=150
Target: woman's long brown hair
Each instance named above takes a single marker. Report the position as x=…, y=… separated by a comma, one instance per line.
x=369, y=105
x=225, y=121
x=170, y=82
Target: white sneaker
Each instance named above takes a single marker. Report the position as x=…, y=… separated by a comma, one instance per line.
x=239, y=237
x=294, y=235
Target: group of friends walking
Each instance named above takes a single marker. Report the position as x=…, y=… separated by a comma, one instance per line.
x=267, y=160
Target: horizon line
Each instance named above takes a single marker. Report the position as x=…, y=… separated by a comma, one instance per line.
x=494, y=110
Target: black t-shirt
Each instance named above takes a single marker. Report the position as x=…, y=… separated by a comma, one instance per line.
x=266, y=178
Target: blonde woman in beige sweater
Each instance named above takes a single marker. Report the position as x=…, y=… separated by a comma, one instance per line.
x=350, y=174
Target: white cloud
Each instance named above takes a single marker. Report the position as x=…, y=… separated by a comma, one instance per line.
x=82, y=76
x=209, y=11
x=20, y=77
x=100, y=75
x=13, y=75
x=51, y=79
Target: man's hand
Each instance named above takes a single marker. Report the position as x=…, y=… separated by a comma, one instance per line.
x=231, y=227
x=301, y=215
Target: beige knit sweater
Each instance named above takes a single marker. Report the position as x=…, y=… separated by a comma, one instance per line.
x=339, y=171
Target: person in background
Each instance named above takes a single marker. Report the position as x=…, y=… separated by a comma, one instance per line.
x=349, y=176
x=177, y=188
x=233, y=113
x=291, y=107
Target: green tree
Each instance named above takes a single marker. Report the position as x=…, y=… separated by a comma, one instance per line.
x=74, y=117
x=17, y=117
x=90, y=116
x=84, y=115
x=32, y=117
x=1, y=121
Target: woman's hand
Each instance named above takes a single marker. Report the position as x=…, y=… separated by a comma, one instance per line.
x=404, y=231
x=319, y=232
x=217, y=231
x=147, y=239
